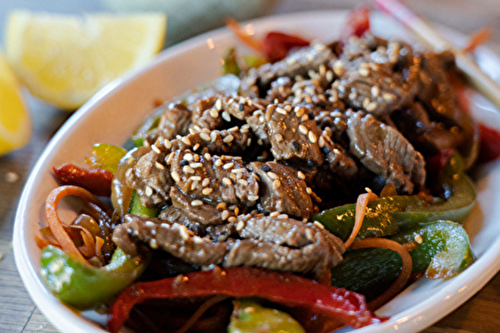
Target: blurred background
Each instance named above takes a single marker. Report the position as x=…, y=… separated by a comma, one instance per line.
x=187, y=18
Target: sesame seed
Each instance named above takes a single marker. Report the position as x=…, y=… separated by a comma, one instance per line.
x=187, y=169
x=159, y=166
x=168, y=159
x=204, y=130
x=194, y=185
x=318, y=225
x=186, y=140
x=205, y=182
x=214, y=113
x=175, y=176
x=371, y=107
x=148, y=191
x=228, y=139
x=301, y=175
x=262, y=119
x=233, y=129
x=329, y=75
x=249, y=142
x=226, y=116
x=303, y=129
x=277, y=183
x=153, y=244
x=156, y=149
x=419, y=239
x=195, y=203
x=183, y=163
x=195, y=178
x=225, y=215
x=227, y=181
x=218, y=163
x=366, y=102
x=221, y=205
x=321, y=141
x=279, y=137
x=388, y=97
x=236, y=211
x=312, y=137
x=218, y=104
x=239, y=170
x=197, y=240
x=196, y=146
x=295, y=145
x=207, y=156
x=253, y=197
x=188, y=157
x=363, y=71
x=167, y=144
x=213, y=136
x=183, y=231
x=308, y=190
x=282, y=216
x=205, y=136
x=281, y=110
x=232, y=219
x=196, y=165
x=274, y=214
x=272, y=175
x=352, y=96
x=375, y=91
x=228, y=166
x=207, y=191
x=191, y=131
x=338, y=67
x=240, y=225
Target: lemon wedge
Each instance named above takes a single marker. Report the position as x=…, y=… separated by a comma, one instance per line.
x=15, y=122
x=65, y=59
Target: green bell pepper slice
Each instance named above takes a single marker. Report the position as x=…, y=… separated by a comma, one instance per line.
x=441, y=249
x=106, y=156
x=137, y=208
x=251, y=317
x=84, y=286
x=386, y=216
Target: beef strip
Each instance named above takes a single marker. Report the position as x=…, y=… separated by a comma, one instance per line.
x=175, y=120
x=386, y=152
x=282, y=191
x=279, y=244
x=206, y=115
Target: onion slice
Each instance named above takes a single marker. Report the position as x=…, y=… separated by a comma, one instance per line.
x=361, y=205
x=403, y=276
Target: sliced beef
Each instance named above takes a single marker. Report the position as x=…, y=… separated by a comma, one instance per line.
x=282, y=191
x=206, y=115
x=280, y=244
x=175, y=120
x=386, y=152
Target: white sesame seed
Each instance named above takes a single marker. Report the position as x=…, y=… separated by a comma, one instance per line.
x=312, y=137
x=169, y=157
x=205, y=130
x=218, y=104
x=321, y=141
x=214, y=113
x=272, y=175
x=363, y=71
x=221, y=205
x=186, y=140
x=299, y=112
x=187, y=169
x=218, y=163
x=282, y=216
x=225, y=215
x=274, y=214
x=240, y=225
x=167, y=143
x=197, y=240
x=371, y=107
x=213, y=136
x=196, y=165
x=388, y=97
x=153, y=244
x=249, y=142
x=207, y=191
x=196, y=146
x=253, y=197
x=281, y=110
x=277, y=183
x=148, y=191
x=375, y=91
x=191, y=131
x=329, y=76
x=227, y=181
x=165, y=225
x=205, y=182
x=207, y=156
x=242, y=182
x=279, y=137
x=308, y=190
x=239, y=170
x=195, y=178
x=194, y=185
x=159, y=166
x=418, y=238
x=233, y=129
x=228, y=139
x=188, y=157
x=352, y=96
x=228, y=166
x=232, y=219
x=301, y=175
x=303, y=129
x=195, y=203
x=226, y=116
x=156, y=149
x=205, y=136
x=183, y=231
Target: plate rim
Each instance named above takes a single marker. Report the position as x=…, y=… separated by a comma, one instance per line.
x=414, y=318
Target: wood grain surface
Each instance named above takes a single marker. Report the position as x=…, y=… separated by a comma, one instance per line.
x=18, y=313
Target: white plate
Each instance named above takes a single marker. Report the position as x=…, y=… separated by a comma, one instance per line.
x=113, y=113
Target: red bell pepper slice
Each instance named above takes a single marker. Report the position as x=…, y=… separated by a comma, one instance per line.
x=276, y=45
x=283, y=288
x=436, y=163
x=489, y=146
x=358, y=22
x=97, y=181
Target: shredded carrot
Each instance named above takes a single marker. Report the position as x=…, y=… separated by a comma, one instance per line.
x=250, y=41
x=361, y=205
x=42, y=242
x=55, y=223
x=403, y=276
x=99, y=242
x=477, y=39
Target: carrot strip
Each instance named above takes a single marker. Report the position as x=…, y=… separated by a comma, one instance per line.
x=361, y=205
x=250, y=41
x=99, y=242
x=403, y=276
x=55, y=223
x=477, y=39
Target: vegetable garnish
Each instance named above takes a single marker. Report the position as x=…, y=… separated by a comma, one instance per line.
x=402, y=278
x=55, y=223
x=97, y=181
x=283, y=288
x=361, y=205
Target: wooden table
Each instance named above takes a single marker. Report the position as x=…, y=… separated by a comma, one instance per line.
x=17, y=312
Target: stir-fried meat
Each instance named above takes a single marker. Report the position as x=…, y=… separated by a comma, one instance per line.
x=175, y=120
x=206, y=115
x=274, y=243
x=377, y=81
x=386, y=152
x=298, y=63
x=283, y=191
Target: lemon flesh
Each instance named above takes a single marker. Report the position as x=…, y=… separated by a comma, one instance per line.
x=65, y=59
x=15, y=122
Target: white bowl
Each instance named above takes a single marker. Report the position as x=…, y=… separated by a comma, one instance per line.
x=113, y=113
